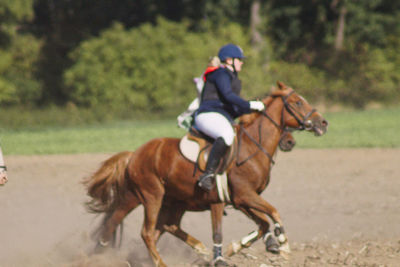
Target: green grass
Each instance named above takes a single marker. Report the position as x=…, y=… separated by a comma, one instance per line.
x=111, y=137
x=371, y=128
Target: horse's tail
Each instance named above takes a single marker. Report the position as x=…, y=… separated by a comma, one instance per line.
x=107, y=185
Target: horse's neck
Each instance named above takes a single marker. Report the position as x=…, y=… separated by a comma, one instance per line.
x=270, y=133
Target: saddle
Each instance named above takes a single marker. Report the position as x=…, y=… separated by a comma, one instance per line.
x=195, y=147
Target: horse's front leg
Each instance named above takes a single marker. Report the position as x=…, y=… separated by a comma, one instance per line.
x=257, y=208
x=263, y=232
x=217, y=212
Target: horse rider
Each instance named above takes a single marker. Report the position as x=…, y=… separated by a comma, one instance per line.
x=3, y=170
x=220, y=105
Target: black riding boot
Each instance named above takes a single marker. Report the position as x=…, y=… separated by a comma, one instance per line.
x=217, y=152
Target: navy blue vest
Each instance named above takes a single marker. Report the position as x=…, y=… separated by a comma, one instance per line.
x=210, y=91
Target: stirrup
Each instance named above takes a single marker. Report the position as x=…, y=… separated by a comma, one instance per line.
x=206, y=181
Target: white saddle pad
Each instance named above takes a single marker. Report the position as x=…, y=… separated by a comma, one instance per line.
x=189, y=148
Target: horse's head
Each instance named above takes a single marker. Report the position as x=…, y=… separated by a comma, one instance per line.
x=298, y=113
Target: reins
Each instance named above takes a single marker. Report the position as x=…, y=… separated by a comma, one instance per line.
x=258, y=144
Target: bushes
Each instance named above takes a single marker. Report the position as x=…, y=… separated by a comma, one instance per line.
x=364, y=76
x=146, y=68
x=150, y=67
x=18, y=84
x=307, y=81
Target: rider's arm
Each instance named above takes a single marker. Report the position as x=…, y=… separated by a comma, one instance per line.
x=223, y=83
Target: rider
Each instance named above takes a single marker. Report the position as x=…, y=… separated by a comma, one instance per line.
x=220, y=105
x=186, y=117
x=3, y=170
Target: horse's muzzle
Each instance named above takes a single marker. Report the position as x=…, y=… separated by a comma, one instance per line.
x=320, y=127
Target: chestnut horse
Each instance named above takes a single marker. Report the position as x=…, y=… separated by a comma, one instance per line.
x=159, y=177
x=172, y=224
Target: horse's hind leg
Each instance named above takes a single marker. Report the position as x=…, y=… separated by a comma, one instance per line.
x=152, y=206
x=114, y=218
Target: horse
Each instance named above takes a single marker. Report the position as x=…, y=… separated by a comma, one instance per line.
x=172, y=225
x=156, y=175
x=286, y=144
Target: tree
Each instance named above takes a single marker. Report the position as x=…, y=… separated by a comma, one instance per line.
x=18, y=54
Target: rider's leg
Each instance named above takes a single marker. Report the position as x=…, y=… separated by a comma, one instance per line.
x=220, y=128
x=217, y=152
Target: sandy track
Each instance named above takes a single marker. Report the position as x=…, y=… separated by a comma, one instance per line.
x=339, y=207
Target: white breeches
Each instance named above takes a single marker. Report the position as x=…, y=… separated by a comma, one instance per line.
x=215, y=125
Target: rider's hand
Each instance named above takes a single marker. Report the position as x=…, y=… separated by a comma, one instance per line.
x=257, y=105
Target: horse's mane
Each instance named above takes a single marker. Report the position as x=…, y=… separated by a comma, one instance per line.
x=282, y=89
x=247, y=119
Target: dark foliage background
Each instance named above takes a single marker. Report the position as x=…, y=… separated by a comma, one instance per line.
x=139, y=57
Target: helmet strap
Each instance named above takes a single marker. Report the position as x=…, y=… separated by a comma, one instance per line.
x=233, y=65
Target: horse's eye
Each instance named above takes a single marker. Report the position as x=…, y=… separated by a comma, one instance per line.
x=299, y=103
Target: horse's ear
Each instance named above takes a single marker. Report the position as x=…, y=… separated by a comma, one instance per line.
x=281, y=85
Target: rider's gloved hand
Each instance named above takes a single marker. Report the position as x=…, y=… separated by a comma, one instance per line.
x=257, y=105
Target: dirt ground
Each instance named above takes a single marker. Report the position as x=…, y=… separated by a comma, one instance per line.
x=339, y=208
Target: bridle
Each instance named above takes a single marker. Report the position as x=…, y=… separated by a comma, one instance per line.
x=303, y=121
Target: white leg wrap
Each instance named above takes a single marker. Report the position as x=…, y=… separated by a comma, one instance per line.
x=249, y=238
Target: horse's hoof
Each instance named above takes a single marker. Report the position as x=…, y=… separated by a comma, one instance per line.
x=200, y=263
x=272, y=245
x=285, y=248
x=101, y=247
x=202, y=250
x=220, y=262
